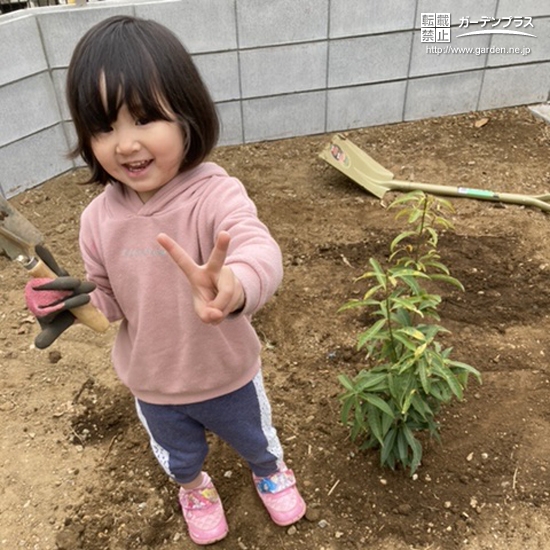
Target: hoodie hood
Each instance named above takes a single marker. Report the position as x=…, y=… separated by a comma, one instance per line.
x=126, y=202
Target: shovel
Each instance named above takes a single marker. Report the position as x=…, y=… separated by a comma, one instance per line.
x=372, y=176
x=18, y=240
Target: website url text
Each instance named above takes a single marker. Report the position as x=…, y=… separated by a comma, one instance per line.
x=446, y=50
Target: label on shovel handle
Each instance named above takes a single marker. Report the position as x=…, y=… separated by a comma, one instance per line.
x=477, y=193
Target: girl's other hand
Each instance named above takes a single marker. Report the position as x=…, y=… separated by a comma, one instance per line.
x=216, y=290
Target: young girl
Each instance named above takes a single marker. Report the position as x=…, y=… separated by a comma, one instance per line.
x=177, y=253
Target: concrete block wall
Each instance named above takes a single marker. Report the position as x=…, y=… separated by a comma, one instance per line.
x=279, y=69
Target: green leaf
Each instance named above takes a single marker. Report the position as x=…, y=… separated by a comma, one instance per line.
x=403, y=339
x=358, y=424
x=433, y=236
x=413, y=332
x=354, y=304
x=367, y=298
x=346, y=410
x=349, y=305
x=379, y=404
x=433, y=262
x=366, y=275
x=387, y=422
x=406, y=303
x=415, y=215
x=420, y=350
x=467, y=368
x=402, y=447
x=378, y=273
x=444, y=205
x=375, y=422
x=422, y=407
x=403, y=272
x=400, y=237
x=440, y=393
x=448, y=279
x=388, y=447
x=412, y=283
x=416, y=447
x=372, y=381
x=392, y=387
x=401, y=385
x=406, y=363
x=451, y=380
x=401, y=317
x=346, y=382
x=370, y=333
x=424, y=374
x=407, y=403
x=405, y=199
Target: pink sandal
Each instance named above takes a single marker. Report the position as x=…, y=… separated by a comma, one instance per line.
x=203, y=512
x=281, y=497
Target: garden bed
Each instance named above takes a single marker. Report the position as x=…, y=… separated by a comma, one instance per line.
x=77, y=470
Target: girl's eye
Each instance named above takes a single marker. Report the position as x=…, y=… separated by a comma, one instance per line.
x=104, y=129
x=142, y=121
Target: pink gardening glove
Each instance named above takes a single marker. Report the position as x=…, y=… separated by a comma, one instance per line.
x=46, y=296
x=50, y=300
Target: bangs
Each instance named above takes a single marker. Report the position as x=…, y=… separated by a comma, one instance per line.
x=128, y=77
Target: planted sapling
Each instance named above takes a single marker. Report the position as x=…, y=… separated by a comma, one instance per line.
x=410, y=374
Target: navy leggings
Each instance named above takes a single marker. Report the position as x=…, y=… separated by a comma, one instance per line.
x=241, y=418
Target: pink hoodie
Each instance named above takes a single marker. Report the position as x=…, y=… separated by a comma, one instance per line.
x=163, y=352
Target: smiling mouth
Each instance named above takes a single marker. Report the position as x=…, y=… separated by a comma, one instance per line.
x=137, y=166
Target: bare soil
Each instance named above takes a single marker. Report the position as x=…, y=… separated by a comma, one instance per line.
x=77, y=472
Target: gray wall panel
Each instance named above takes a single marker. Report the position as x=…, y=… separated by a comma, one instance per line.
x=281, y=68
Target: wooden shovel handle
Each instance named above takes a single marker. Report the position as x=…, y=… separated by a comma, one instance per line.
x=87, y=314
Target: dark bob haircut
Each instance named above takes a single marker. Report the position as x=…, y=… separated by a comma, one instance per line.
x=143, y=65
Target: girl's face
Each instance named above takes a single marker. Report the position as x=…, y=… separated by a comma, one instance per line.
x=143, y=155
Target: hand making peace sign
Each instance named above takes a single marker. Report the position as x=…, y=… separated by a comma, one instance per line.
x=216, y=290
